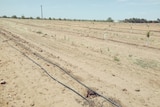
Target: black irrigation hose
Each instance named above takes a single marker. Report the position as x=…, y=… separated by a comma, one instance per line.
x=49, y=74
x=38, y=55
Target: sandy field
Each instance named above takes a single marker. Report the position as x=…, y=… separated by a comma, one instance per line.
x=49, y=63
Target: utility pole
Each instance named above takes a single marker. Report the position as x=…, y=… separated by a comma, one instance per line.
x=41, y=12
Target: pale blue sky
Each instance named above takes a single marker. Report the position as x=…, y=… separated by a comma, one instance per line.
x=83, y=9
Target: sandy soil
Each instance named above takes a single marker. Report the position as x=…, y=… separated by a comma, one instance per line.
x=115, y=60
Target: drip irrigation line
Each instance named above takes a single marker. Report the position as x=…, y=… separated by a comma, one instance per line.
x=50, y=75
x=62, y=69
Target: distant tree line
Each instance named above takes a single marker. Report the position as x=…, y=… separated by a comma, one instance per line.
x=138, y=20
x=15, y=17
x=61, y=19
x=130, y=20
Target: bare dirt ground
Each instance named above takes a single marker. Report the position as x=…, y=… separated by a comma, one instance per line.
x=78, y=64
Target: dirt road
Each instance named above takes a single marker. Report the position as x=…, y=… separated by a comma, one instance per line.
x=78, y=64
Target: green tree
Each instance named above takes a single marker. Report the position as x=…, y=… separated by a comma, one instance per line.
x=14, y=16
x=110, y=20
x=37, y=17
x=4, y=16
x=158, y=20
x=30, y=17
x=23, y=17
